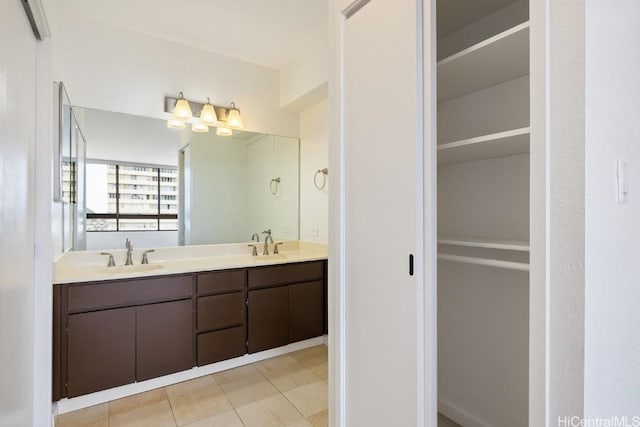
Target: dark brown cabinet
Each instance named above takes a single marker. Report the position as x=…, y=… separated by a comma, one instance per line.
x=268, y=318
x=164, y=338
x=306, y=310
x=111, y=333
x=221, y=308
x=101, y=349
x=290, y=308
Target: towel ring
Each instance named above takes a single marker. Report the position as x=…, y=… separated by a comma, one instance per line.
x=277, y=184
x=324, y=173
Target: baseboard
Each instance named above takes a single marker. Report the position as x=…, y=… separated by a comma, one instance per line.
x=73, y=404
x=454, y=413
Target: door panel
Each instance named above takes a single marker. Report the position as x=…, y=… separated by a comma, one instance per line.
x=101, y=350
x=268, y=318
x=164, y=338
x=382, y=168
x=306, y=311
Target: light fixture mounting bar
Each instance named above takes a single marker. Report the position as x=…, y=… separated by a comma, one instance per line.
x=196, y=108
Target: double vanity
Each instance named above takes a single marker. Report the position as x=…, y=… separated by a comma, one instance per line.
x=189, y=306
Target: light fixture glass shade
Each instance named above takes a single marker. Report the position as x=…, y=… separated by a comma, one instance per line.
x=199, y=127
x=208, y=114
x=182, y=110
x=234, y=120
x=175, y=124
x=222, y=131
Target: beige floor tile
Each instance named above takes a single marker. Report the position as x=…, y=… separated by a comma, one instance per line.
x=321, y=419
x=237, y=374
x=197, y=399
x=288, y=378
x=318, y=366
x=132, y=402
x=93, y=416
x=273, y=411
x=248, y=390
x=309, y=399
x=154, y=415
x=310, y=353
x=226, y=419
x=276, y=364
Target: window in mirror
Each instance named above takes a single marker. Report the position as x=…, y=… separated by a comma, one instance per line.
x=131, y=197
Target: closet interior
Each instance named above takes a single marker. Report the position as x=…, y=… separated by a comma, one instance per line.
x=483, y=211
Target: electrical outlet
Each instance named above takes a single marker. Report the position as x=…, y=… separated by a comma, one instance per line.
x=314, y=231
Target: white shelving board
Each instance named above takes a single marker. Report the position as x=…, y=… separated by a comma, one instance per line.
x=510, y=245
x=487, y=262
x=499, y=144
x=498, y=59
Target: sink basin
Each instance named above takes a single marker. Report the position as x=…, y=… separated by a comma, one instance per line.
x=123, y=269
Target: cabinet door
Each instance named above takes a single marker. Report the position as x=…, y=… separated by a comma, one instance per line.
x=268, y=318
x=101, y=350
x=164, y=342
x=306, y=310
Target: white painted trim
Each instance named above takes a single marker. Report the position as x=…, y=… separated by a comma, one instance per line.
x=458, y=415
x=539, y=278
x=73, y=404
x=430, y=212
x=336, y=276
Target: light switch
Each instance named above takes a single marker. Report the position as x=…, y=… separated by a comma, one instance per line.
x=622, y=179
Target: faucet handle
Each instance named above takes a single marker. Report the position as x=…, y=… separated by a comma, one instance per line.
x=254, y=252
x=111, y=262
x=145, y=260
x=267, y=231
x=275, y=247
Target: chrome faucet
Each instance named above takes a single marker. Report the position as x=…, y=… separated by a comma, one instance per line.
x=129, y=246
x=255, y=237
x=266, y=241
x=145, y=259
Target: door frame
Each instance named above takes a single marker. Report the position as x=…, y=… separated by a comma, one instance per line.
x=539, y=215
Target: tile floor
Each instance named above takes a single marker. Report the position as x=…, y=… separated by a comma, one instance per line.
x=288, y=390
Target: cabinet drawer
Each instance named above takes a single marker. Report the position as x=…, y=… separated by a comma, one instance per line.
x=221, y=311
x=288, y=273
x=220, y=281
x=94, y=296
x=221, y=345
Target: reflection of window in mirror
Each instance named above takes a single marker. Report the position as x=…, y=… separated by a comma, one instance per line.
x=131, y=197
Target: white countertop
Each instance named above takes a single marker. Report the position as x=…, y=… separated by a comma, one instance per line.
x=89, y=266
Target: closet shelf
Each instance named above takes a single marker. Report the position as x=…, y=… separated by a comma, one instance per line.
x=497, y=59
x=499, y=144
x=488, y=262
x=510, y=245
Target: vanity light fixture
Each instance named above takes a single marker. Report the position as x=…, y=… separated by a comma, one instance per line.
x=234, y=120
x=175, y=124
x=223, y=131
x=199, y=127
x=182, y=110
x=208, y=114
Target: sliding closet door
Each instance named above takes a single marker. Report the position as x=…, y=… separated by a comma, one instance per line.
x=382, y=207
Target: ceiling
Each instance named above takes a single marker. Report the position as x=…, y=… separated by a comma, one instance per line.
x=272, y=33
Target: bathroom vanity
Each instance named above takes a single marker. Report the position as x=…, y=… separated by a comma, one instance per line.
x=127, y=326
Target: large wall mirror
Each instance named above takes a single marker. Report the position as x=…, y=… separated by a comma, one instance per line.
x=167, y=187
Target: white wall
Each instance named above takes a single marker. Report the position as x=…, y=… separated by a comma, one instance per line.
x=114, y=69
x=17, y=202
x=566, y=210
x=314, y=155
x=612, y=278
